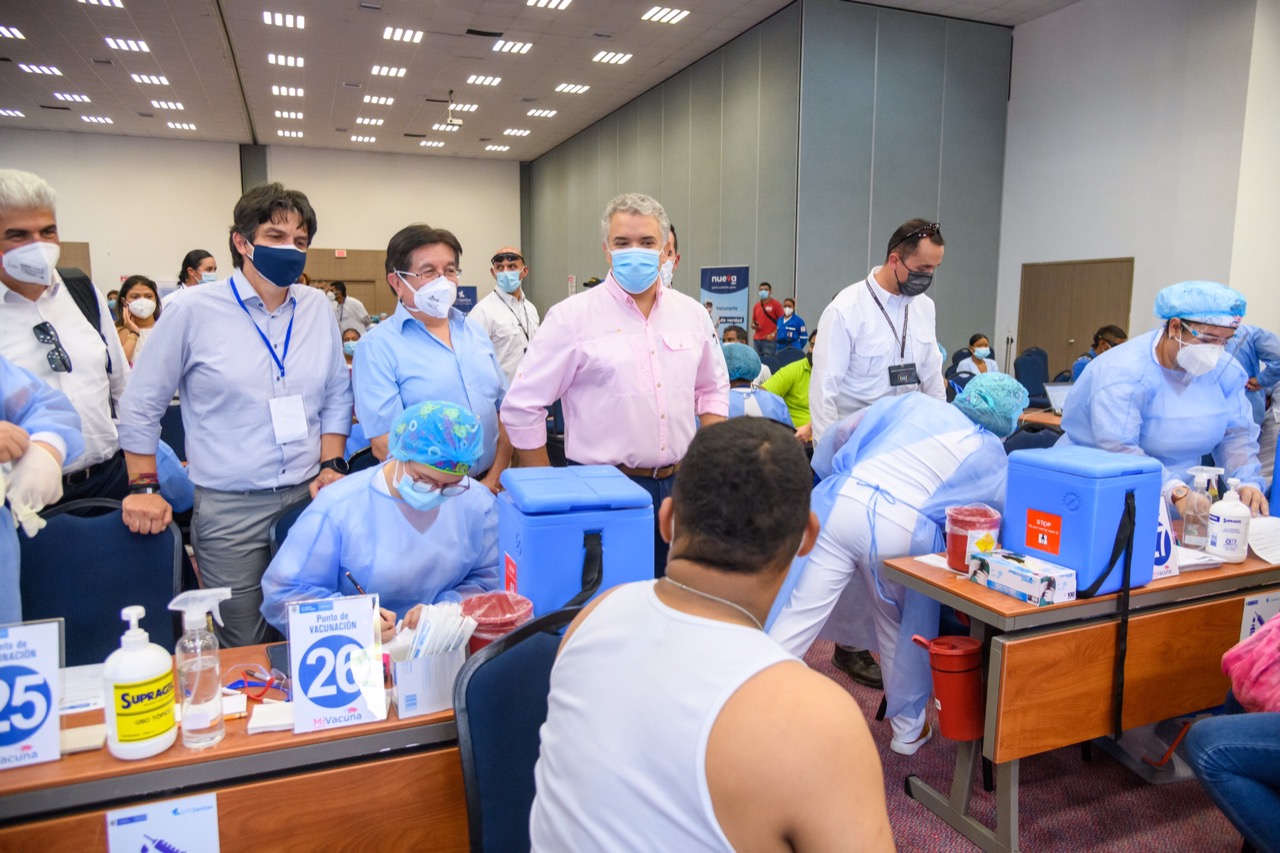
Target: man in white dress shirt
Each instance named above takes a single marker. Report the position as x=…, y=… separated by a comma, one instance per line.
x=45, y=329
x=507, y=315
x=350, y=311
x=879, y=339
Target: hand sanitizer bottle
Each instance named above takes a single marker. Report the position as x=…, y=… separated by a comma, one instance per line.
x=1229, y=526
x=138, y=689
x=199, y=674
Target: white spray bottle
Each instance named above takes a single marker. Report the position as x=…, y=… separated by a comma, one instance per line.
x=1229, y=526
x=199, y=674
x=1195, y=521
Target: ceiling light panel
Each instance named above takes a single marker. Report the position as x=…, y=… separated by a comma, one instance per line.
x=291, y=134
x=426, y=143
x=444, y=128
x=116, y=3
x=497, y=148
x=179, y=125
x=663, y=15
x=11, y=33
x=281, y=59
x=515, y=131
x=479, y=80
x=286, y=114
x=541, y=113
x=385, y=71
x=287, y=92
x=572, y=88
x=501, y=46
x=463, y=108
x=380, y=101
x=150, y=79
x=376, y=122
x=97, y=119
x=12, y=114
x=127, y=45
x=278, y=19
x=610, y=57
x=364, y=139
x=40, y=69
x=398, y=34
x=79, y=99
x=168, y=105
x=558, y=5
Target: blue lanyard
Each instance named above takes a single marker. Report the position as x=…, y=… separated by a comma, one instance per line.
x=288, y=335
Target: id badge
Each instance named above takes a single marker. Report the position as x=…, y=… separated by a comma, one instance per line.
x=903, y=374
x=288, y=418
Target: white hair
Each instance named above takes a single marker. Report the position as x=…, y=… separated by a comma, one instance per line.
x=639, y=204
x=24, y=191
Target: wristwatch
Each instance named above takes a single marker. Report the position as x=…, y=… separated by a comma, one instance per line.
x=338, y=464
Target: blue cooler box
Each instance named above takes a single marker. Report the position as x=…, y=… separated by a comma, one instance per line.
x=543, y=515
x=1064, y=505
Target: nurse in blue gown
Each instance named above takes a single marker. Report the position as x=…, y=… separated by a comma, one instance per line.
x=415, y=530
x=1174, y=394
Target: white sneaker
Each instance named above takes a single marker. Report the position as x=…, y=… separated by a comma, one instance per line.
x=911, y=747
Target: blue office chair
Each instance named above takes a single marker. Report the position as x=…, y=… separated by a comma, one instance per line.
x=959, y=356
x=788, y=355
x=284, y=520
x=500, y=701
x=1029, y=437
x=85, y=566
x=1032, y=372
x=172, y=432
x=956, y=383
x=363, y=459
x=1063, y=376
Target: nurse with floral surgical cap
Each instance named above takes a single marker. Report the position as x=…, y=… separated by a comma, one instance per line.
x=414, y=530
x=1175, y=395
x=889, y=473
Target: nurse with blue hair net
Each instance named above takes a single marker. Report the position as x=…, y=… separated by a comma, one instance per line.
x=415, y=530
x=744, y=398
x=1174, y=395
x=889, y=473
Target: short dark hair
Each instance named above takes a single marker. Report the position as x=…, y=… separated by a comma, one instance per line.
x=1112, y=334
x=737, y=330
x=267, y=203
x=193, y=259
x=732, y=529
x=675, y=241
x=340, y=286
x=975, y=338
x=413, y=237
x=787, y=299
x=906, y=239
x=768, y=285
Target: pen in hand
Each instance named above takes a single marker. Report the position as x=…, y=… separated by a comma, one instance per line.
x=359, y=588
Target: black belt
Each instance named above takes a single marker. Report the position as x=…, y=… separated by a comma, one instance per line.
x=84, y=475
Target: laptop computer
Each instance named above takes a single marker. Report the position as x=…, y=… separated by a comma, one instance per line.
x=1057, y=393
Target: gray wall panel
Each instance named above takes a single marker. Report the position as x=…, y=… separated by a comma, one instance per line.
x=779, y=150
x=676, y=141
x=650, y=144
x=628, y=147
x=739, y=157
x=701, y=244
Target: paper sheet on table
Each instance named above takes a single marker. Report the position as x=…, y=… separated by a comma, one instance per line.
x=938, y=561
x=271, y=717
x=1189, y=560
x=1264, y=538
x=81, y=688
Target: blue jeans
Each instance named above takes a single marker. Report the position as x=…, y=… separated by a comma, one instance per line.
x=765, y=349
x=1237, y=760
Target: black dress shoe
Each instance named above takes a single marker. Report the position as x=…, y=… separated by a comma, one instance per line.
x=859, y=665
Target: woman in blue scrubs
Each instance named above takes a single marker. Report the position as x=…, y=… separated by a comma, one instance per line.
x=1174, y=395
x=415, y=530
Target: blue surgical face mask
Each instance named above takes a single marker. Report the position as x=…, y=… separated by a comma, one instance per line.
x=349, y=347
x=508, y=280
x=415, y=495
x=209, y=277
x=635, y=270
x=280, y=265
x=982, y=352
x=111, y=303
x=764, y=296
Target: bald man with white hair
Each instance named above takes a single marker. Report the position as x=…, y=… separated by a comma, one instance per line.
x=507, y=315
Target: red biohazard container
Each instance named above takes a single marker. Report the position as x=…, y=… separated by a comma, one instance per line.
x=963, y=521
x=957, y=684
x=497, y=614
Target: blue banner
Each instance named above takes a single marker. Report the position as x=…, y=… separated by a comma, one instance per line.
x=466, y=298
x=724, y=293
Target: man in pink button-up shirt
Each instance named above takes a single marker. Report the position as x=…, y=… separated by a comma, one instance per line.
x=636, y=365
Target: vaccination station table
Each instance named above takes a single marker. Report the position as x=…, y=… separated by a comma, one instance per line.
x=1041, y=417
x=1049, y=671
x=395, y=784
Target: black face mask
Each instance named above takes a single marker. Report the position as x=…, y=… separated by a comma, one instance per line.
x=916, y=283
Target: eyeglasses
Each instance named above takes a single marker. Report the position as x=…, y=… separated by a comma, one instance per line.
x=505, y=258
x=427, y=487
x=1212, y=340
x=59, y=361
x=930, y=230
x=431, y=273
x=259, y=684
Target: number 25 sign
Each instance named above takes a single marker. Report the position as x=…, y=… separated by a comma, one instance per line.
x=29, y=656
x=335, y=654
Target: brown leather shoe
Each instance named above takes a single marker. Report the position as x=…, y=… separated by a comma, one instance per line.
x=859, y=665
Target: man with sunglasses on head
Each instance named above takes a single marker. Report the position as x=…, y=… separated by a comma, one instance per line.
x=507, y=315
x=878, y=340
x=429, y=350
x=46, y=328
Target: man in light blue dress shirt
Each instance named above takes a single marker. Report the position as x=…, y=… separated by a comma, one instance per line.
x=429, y=350
x=266, y=403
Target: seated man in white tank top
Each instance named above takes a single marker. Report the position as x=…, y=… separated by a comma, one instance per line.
x=674, y=722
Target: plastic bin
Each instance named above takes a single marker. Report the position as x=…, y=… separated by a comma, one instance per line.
x=1064, y=506
x=962, y=521
x=543, y=517
x=957, y=684
x=497, y=614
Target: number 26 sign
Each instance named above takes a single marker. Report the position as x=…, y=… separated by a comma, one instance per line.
x=335, y=654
